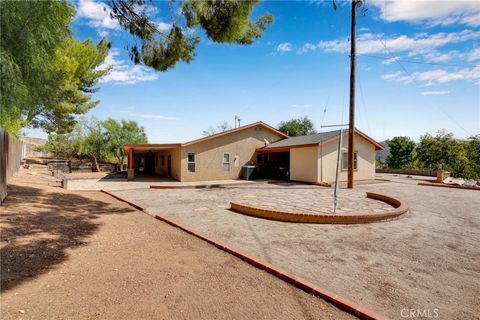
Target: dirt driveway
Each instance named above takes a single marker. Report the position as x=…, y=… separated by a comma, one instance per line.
x=68, y=255
x=428, y=260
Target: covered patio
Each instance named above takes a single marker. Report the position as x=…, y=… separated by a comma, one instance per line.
x=161, y=160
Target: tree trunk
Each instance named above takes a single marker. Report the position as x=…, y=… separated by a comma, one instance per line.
x=96, y=168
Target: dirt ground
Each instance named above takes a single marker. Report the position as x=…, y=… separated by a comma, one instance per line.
x=427, y=260
x=68, y=255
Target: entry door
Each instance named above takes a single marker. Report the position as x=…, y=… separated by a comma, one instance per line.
x=169, y=165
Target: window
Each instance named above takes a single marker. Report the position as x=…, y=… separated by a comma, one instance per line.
x=163, y=160
x=226, y=162
x=191, y=162
x=345, y=160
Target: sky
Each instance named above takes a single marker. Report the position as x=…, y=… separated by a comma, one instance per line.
x=418, y=71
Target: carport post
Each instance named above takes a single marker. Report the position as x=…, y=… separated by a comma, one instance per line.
x=130, y=170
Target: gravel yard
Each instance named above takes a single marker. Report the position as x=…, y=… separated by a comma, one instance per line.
x=427, y=260
x=85, y=255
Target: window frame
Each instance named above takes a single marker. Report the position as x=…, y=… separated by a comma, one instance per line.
x=226, y=163
x=189, y=170
x=355, y=160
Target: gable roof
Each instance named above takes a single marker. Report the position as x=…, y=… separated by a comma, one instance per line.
x=248, y=126
x=148, y=146
x=317, y=138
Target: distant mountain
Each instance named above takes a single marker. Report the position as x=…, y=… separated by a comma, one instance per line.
x=34, y=141
x=381, y=156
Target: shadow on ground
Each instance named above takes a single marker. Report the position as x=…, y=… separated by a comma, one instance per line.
x=38, y=226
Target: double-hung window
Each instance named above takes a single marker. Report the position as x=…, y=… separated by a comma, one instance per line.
x=345, y=160
x=226, y=162
x=191, y=162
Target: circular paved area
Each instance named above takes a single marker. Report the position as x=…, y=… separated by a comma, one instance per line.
x=312, y=200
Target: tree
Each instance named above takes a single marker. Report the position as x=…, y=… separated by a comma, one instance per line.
x=224, y=21
x=402, y=153
x=445, y=152
x=119, y=133
x=297, y=127
x=46, y=75
x=224, y=126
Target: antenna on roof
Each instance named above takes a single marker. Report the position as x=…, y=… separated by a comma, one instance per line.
x=239, y=122
x=235, y=123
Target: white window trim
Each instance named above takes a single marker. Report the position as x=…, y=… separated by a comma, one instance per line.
x=194, y=162
x=224, y=163
x=343, y=154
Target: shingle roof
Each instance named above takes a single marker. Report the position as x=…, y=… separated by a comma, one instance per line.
x=302, y=140
x=316, y=138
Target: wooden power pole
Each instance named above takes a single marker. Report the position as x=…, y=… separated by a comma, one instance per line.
x=351, y=123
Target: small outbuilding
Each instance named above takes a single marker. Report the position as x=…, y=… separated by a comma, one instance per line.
x=313, y=158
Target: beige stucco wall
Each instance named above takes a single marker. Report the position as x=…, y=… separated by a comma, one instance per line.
x=365, y=160
x=209, y=154
x=162, y=169
x=304, y=164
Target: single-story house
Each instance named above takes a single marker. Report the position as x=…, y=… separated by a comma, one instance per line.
x=220, y=156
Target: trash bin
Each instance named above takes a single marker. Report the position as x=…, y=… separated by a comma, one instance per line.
x=249, y=172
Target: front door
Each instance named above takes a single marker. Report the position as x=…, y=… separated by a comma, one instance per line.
x=169, y=165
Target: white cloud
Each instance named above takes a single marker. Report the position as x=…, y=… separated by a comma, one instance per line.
x=441, y=57
x=157, y=117
x=164, y=27
x=123, y=73
x=474, y=55
x=394, y=75
x=369, y=43
x=437, y=76
x=391, y=60
x=97, y=14
x=434, y=93
x=103, y=33
x=438, y=12
x=284, y=47
x=301, y=106
x=307, y=47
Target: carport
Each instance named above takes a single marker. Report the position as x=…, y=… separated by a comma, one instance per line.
x=151, y=159
x=274, y=163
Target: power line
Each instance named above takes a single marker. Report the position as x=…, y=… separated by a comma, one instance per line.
x=384, y=43
x=421, y=62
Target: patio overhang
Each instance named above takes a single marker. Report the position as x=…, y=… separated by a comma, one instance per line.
x=146, y=147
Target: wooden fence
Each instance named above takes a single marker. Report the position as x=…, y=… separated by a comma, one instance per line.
x=10, y=160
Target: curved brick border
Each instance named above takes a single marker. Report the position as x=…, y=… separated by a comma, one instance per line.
x=453, y=186
x=400, y=207
x=338, y=301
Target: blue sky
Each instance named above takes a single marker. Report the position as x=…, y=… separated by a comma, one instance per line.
x=300, y=67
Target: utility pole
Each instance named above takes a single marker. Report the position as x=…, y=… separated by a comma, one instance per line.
x=351, y=123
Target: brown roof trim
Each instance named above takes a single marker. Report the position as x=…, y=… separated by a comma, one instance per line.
x=286, y=148
x=216, y=135
x=143, y=146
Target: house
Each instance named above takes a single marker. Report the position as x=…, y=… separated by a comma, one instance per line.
x=216, y=157
x=220, y=156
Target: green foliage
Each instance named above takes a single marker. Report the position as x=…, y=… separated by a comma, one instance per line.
x=297, y=127
x=224, y=21
x=46, y=75
x=402, y=153
x=97, y=140
x=445, y=152
x=119, y=133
